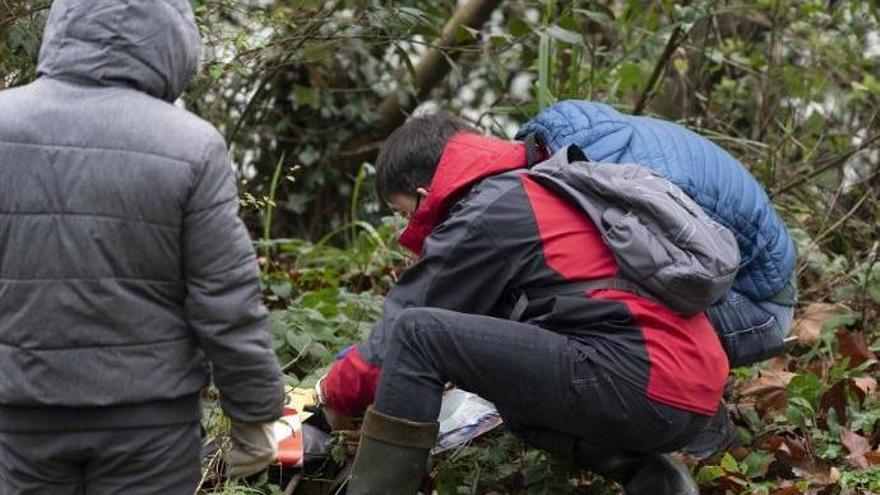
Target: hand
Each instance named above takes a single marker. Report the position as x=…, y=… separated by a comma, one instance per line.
x=254, y=448
x=337, y=420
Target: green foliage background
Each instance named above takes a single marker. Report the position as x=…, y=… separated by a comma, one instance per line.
x=790, y=87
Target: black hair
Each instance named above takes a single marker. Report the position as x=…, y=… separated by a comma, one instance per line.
x=410, y=155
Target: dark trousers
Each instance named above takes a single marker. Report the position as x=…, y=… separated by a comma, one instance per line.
x=157, y=460
x=545, y=385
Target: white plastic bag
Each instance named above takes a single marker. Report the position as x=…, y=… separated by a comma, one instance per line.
x=464, y=416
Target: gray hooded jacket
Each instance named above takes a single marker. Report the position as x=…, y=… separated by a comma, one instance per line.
x=124, y=267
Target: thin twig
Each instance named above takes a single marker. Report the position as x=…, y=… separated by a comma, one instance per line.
x=815, y=242
x=825, y=166
x=671, y=46
x=14, y=17
x=831, y=208
x=261, y=89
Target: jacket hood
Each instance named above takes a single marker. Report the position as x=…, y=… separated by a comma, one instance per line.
x=149, y=45
x=466, y=160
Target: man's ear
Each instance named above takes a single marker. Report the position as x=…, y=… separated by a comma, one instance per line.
x=422, y=192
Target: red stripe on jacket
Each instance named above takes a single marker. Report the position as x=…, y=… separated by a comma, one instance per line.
x=688, y=366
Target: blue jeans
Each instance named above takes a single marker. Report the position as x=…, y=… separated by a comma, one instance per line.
x=750, y=331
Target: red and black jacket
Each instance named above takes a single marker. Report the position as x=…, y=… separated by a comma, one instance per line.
x=487, y=232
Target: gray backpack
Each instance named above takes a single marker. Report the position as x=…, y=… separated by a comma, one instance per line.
x=665, y=245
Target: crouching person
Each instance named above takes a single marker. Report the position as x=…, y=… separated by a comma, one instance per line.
x=752, y=319
x=618, y=379
x=124, y=268
x=755, y=316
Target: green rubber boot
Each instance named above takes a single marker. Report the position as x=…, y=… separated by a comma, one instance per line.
x=392, y=455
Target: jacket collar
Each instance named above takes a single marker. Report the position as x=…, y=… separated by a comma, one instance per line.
x=466, y=160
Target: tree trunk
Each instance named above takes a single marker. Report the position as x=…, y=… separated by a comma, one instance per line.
x=434, y=66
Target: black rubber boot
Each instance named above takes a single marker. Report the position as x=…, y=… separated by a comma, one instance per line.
x=719, y=436
x=640, y=474
x=392, y=455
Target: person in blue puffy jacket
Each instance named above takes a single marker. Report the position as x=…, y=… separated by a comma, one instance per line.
x=755, y=317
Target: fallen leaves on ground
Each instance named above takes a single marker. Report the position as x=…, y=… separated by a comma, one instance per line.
x=769, y=389
x=808, y=326
x=858, y=446
x=854, y=345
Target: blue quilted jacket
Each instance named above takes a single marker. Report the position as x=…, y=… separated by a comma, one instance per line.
x=707, y=173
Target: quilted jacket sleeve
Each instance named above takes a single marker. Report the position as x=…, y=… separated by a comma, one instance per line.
x=223, y=305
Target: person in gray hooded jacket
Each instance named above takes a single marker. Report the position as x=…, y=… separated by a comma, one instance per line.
x=124, y=267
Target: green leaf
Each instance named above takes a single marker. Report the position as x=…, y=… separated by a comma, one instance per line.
x=545, y=96
x=630, y=77
x=756, y=463
x=306, y=96
x=298, y=341
x=836, y=321
x=518, y=27
x=597, y=16
x=728, y=462
x=707, y=475
x=565, y=35
x=15, y=38
x=807, y=386
x=282, y=289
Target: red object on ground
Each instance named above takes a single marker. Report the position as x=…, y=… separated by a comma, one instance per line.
x=289, y=435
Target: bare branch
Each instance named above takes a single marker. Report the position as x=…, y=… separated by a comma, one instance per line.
x=678, y=35
x=825, y=166
x=9, y=19
x=434, y=66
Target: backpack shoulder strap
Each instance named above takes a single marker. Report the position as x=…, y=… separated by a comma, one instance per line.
x=532, y=155
x=533, y=152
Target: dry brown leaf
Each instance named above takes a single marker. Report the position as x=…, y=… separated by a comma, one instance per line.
x=790, y=450
x=770, y=390
x=797, y=451
x=858, y=446
x=732, y=482
x=854, y=346
x=787, y=488
x=819, y=367
x=767, y=380
x=739, y=452
x=808, y=326
x=835, y=474
x=836, y=397
x=819, y=475
x=873, y=457
x=867, y=384
x=779, y=363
